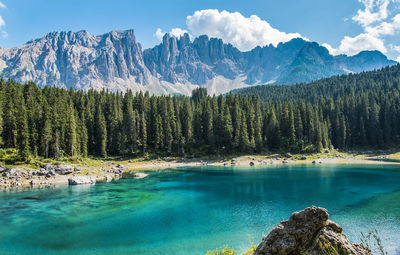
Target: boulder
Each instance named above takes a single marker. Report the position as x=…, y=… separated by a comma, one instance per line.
x=309, y=232
x=303, y=157
x=49, y=167
x=77, y=180
x=64, y=169
x=12, y=171
x=251, y=163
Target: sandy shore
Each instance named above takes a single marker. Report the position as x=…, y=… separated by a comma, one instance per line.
x=103, y=170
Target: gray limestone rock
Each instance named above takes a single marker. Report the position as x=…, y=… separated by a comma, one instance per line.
x=77, y=180
x=116, y=61
x=309, y=232
x=64, y=169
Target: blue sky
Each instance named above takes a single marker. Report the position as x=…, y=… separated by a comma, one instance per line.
x=344, y=26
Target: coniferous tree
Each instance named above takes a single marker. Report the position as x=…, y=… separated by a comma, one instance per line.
x=143, y=133
x=159, y=134
x=227, y=129
x=258, y=126
x=129, y=125
x=101, y=132
x=272, y=131
x=46, y=131
x=9, y=119
x=244, y=143
x=187, y=121
x=22, y=138
x=71, y=137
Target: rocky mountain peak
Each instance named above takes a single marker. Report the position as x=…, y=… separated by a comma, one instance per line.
x=116, y=61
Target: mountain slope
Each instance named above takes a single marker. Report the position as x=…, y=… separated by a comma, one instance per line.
x=384, y=82
x=116, y=61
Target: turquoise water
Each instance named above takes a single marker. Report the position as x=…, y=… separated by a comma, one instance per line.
x=192, y=210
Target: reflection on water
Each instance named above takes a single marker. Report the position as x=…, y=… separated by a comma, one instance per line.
x=189, y=211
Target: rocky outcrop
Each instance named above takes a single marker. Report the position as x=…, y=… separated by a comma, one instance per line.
x=116, y=61
x=308, y=232
x=78, y=60
x=77, y=180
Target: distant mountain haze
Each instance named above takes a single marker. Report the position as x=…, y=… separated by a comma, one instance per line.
x=117, y=62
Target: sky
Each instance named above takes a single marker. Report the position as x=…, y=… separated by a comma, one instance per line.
x=343, y=26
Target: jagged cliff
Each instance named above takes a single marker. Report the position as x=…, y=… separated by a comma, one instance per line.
x=116, y=61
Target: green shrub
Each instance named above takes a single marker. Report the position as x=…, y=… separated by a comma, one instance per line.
x=9, y=156
x=225, y=251
x=251, y=250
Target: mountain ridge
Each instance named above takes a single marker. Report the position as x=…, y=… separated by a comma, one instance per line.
x=116, y=61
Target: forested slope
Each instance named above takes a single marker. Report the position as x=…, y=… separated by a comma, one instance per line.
x=354, y=111
x=384, y=80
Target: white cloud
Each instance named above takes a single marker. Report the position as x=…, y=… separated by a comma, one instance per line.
x=353, y=45
x=378, y=20
x=3, y=33
x=395, y=48
x=232, y=27
x=385, y=28
x=177, y=32
x=374, y=11
x=2, y=22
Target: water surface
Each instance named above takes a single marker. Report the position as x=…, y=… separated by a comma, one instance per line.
x=192, y=210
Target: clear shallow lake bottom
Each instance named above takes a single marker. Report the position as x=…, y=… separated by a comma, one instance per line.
x=192, y=210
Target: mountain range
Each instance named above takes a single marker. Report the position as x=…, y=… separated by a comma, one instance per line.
x=116, y=61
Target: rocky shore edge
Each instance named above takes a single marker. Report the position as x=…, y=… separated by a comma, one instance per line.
x=52, y=175
x=95, y=170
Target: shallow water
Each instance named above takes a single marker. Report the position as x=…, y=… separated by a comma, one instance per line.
x=192, y=210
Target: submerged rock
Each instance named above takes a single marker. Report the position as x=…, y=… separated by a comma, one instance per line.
x=309, y=232
x=32, y=198
x=76, y=180
x=140, y=175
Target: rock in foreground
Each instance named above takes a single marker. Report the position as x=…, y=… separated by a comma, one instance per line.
x=76, y=180
x=309, y=232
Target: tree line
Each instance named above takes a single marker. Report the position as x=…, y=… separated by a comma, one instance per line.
x=53, y=122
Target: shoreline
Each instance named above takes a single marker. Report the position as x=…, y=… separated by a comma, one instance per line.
x=19, y=178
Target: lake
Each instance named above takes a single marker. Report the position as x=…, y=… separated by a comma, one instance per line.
x=192, y=210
